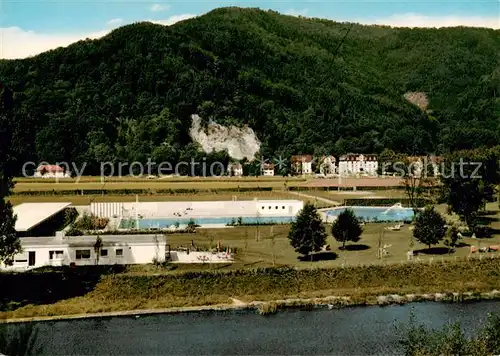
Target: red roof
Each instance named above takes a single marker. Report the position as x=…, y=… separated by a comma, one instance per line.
x=302, y=158
x=357, y=157
x=50, y=168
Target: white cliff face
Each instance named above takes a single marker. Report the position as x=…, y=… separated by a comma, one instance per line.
x=239, y=142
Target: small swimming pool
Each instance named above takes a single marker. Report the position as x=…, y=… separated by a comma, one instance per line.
x=160, y=223
x=369, y=213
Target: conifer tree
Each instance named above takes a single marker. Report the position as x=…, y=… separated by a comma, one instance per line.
x=9, y=242
x=307, y=233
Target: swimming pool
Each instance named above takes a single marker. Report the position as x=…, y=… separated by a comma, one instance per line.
x=160, y=223
x=369, y=213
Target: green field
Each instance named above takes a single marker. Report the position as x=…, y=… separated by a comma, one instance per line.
x=253, y=253
x=100, y=290
x=130, y=179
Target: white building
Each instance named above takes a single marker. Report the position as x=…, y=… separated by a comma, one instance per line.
x=197, y=209
x=30, y=216
x=302, y=164
x=51, y=171
x=268, y=169
x=235, y=169
x=357, y=164
x=79, y=250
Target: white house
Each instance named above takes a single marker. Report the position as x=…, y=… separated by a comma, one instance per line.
x=358, y=164
x=79, y=250
x=235, y=169
x=51, y=171
x=327, y=165
x=268, y=169
x=302, y=164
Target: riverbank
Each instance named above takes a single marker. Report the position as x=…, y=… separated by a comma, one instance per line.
x=272, y=307
x=92, y=291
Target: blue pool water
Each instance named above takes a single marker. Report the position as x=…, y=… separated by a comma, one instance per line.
x=368, y=213
x=159, y=223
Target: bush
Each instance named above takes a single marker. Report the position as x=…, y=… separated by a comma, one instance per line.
x=483, y=232
x=70, y=216
x=141, y=232
x=73, y=231
x=91, y=222
x=451, y=340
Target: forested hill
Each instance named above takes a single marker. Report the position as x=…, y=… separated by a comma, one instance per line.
x=130, y=94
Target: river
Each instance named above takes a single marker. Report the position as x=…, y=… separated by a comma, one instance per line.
x=348, y=331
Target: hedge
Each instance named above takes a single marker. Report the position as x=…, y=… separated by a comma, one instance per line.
x=137, y=191
x=141, y=232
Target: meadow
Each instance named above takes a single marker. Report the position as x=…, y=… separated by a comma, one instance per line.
x=23, y=184
x=263, y=245
x=94, y=290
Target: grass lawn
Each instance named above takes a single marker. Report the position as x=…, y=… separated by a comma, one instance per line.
x=23, y=184
x=259, y=253
x=339, y=196
x=130, y=179
x=146, y=185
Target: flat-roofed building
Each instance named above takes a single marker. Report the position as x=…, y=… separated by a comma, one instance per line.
x=79, y=251
x=39, y=218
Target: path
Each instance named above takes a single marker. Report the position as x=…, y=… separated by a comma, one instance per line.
x=238, y=302
x=325, y=200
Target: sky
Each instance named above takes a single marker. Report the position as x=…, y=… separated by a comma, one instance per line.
x=29, y=27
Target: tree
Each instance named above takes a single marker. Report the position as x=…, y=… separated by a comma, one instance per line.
x=468, y=180
x=451, y=238
x=347, y=227
x=9, y=242
x=429, y=227
x=191, y=226
x=97, y=248
x=307, y=233
x=416, y=181
x=272, y=237
x=380, y=240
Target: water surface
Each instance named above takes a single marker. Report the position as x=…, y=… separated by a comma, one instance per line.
x=349, y=331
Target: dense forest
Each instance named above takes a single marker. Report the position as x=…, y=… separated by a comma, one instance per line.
x=307, y=86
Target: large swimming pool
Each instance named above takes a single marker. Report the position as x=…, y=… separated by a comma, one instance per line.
x=368, y=213
x=160, y=223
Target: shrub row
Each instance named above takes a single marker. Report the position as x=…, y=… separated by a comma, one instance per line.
x=141, y=232
x=138, y=191
x=172, y=180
